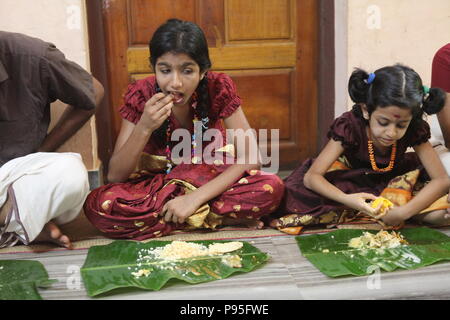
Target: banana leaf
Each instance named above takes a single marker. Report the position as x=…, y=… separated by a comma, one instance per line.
x=426, y=246
x=110, y=266
x=19, y=279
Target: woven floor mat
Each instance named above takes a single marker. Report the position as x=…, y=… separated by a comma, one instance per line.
x=83, y=235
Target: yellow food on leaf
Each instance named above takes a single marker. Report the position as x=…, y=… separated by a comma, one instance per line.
x=382, y=240
x=233, y=261
x=219, y=248
x=178, y=250
x=140, y=273
x=184, y=250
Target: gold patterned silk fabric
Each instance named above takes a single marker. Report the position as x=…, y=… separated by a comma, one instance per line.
x=203, y=217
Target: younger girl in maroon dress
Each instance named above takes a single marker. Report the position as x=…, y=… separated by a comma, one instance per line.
x=150, y=195
x=367, y=151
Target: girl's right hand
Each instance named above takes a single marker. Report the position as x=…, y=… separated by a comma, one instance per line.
x=157, y=109
x=358, y=201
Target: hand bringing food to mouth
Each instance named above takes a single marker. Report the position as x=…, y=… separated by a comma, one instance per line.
x=157, y=109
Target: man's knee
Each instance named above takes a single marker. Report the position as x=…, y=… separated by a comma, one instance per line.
x=72, y=173
x=73, y=185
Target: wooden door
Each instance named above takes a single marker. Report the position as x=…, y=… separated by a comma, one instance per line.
x=268, y=47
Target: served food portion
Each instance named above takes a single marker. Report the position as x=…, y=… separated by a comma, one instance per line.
x=381, y=240
x=358, y=252
x=150, y=265
x=181, y=250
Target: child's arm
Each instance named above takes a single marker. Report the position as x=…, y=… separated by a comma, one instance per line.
x=132, y=137
x=180, y=208
x=437, y=187
x=119, y=167
x=314, y=179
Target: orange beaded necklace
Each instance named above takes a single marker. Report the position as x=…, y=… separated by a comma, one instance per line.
x=372, y=156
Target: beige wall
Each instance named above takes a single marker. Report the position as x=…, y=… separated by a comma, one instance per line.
x=384, y=32
x=62, y=22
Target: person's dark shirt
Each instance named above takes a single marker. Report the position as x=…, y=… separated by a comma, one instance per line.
x=33, y=74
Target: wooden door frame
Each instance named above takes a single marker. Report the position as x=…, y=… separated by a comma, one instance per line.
x=327, y=67
x=97, y=58
x=321, y=53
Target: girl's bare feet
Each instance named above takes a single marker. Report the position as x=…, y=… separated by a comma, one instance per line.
x=438, y=217
x=52, y=233
x=4, y=210
x=250, y=223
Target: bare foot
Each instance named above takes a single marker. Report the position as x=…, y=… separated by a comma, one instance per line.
x=438, y=217
x=4, y=210
x=250, y=223
x=52, y=233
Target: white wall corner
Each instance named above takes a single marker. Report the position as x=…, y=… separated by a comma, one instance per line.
x=341, y=56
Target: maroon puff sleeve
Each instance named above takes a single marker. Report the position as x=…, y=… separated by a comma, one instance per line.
x=345, y=129
x=224, y=98
x=420, y=134
x=138, y=93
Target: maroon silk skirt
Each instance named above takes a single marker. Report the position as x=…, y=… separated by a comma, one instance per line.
x=130, y=210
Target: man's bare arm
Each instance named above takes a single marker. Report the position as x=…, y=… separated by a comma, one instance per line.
x=444, y=121
x=70, y=122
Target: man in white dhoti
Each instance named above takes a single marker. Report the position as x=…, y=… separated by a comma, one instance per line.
x=40, y=189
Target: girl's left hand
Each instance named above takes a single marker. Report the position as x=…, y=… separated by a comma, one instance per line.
x=395, y=216
x=179, y=209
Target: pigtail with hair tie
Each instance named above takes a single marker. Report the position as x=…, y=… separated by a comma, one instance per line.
x=358, y=85
x=433, y=100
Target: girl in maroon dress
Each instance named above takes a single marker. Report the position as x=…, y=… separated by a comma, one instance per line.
x=367, y=150
x=152, y=194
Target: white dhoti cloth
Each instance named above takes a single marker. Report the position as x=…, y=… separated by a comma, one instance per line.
x=444, y=155
x=438, y=142
x=42, y=187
